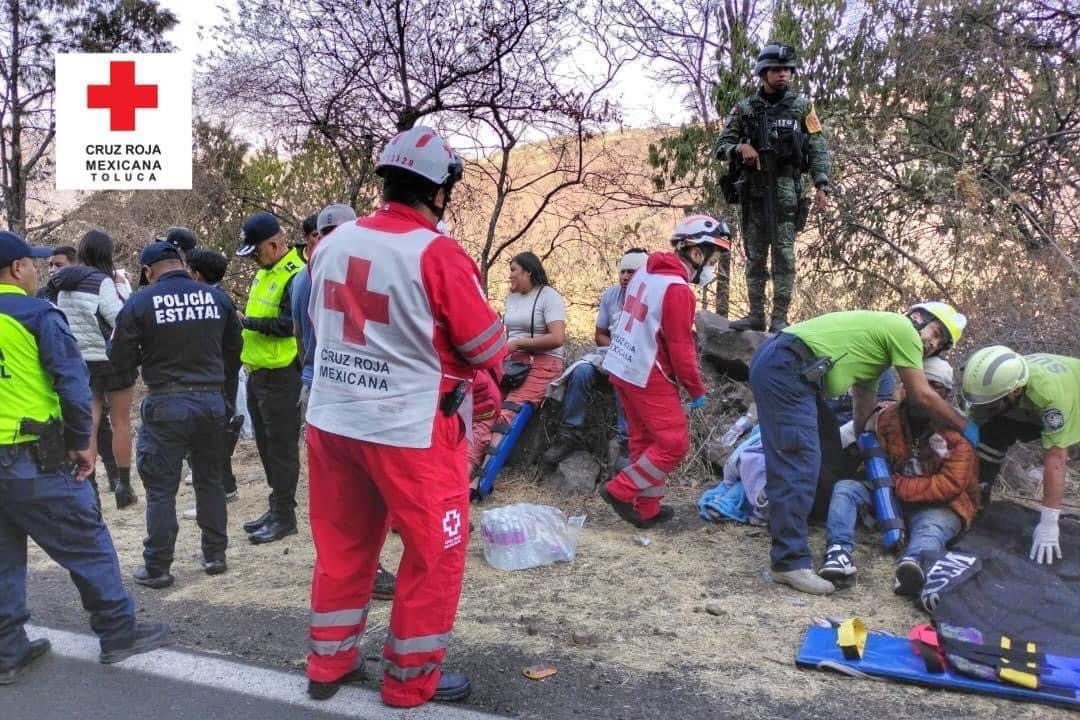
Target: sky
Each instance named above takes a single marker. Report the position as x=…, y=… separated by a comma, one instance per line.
x=645, y=103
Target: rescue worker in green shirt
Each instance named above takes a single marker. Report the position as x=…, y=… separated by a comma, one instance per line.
x=795, y=370
x=273, y=386
x=1017, y=397
x=771, y=139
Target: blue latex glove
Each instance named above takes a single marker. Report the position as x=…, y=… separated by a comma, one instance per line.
x=971, y=433
x=698, y=403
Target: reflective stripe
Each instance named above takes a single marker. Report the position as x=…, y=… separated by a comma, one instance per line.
x=481, y=338
x=336, y=618
x=422, y=643
x=655, y=491
x=648, y=467
x=401, y=674
x=640, y=480
x=333, y=647
x=487, y=354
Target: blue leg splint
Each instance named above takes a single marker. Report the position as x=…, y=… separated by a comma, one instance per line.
x=891, y=657
x=493, y=463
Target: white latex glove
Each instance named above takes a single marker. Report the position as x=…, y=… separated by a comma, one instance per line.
x=1045, y=538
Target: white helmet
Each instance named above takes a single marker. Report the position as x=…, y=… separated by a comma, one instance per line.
x=420, y=151
x=700, y=229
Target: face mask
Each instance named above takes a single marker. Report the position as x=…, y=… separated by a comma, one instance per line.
x=705, y=274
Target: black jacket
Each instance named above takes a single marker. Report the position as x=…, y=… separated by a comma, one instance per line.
x=180, y=331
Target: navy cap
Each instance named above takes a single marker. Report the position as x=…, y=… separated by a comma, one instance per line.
x=181, y=237
x=158, y=251
x=13, y=247
x=258, y=227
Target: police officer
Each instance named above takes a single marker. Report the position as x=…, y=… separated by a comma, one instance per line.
x=182, y=238
x=186, y=336
x=44, y=462
x=773, y=137
x=273, y=387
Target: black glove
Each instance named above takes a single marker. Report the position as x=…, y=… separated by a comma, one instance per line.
x=124, y=495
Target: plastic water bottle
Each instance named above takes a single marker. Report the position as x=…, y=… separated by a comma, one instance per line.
x=736, y=431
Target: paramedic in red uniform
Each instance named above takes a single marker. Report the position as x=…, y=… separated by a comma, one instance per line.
x=401, y=327
x=651, y=354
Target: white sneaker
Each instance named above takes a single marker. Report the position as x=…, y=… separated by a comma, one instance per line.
x=234, y=495
x=191, y=514
x=804, y=580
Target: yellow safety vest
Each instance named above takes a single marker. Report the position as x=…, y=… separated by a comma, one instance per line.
x=261, y=351
x=26, y=390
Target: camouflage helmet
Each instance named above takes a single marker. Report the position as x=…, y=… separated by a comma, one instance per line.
x=775, y=55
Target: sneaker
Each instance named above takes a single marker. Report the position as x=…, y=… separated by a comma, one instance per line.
x=804, y=580
x=567, y=441
x=909, y=577
x=230, y=496
x=157, y=581
x=837, y=565
x=36, y=649
x=384, y=584
x=144, y=639
x=326, y=690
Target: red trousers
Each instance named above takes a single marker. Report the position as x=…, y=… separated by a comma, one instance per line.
x=659, y=440
x=487, y=400
x=357, y=489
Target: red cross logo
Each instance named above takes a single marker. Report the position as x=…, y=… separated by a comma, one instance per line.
x=353, y=299
x=121, y=97
x=634, y=308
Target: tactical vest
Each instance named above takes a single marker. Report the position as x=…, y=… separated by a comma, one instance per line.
x=26, y=390
x=262, y=351
x=784, y=129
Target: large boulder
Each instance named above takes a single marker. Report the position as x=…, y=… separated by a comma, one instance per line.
x=726, y=350
x=576, y=475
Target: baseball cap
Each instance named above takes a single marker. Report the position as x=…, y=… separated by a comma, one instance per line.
x=333, y=215
x=13, y=247
x=258, y=227
x=181, y=237
x=156, y=252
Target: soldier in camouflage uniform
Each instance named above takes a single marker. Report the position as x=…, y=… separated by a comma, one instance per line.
x=794, y=145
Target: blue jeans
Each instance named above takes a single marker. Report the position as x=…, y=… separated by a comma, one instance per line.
x=790, y=415
x=579, y=386
x=62, y=517
x=929, y=527
x=175, y=425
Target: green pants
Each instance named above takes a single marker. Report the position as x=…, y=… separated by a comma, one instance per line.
x=757, y=241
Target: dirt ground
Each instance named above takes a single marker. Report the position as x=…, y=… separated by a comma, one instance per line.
x=620, y=610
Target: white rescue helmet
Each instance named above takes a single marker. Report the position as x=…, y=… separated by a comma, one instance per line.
x=419, y=150
x=699, y=230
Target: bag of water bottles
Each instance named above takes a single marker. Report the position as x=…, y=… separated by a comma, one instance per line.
x=523, y=536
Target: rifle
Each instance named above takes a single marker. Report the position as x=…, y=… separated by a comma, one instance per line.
x=767, y=154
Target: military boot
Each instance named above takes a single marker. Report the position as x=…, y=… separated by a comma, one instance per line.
x=779, y=314
x=756, y=319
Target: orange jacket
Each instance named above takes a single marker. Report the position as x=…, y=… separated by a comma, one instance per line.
x=955, y=480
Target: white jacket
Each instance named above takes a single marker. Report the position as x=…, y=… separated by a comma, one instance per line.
x=90, y=300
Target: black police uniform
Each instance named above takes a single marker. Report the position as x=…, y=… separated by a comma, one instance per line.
x=186, y=336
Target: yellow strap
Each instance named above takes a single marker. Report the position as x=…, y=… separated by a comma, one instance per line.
x=851, y=637
x=1023, y=679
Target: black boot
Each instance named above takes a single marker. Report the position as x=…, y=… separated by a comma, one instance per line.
x=453, y=687
x=326, y=690
x=753, y=321
x=143, y=638
x=779, y=314
x=252, y=526
x=277, y=527
x=567, y=441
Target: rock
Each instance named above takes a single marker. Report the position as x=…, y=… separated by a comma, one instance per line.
x=642, y=540
x=727, y=350
x=584, y=638
x=576, y=475
x=715, y=607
